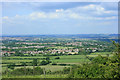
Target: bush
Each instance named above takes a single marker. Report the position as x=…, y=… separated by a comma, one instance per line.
x=38, y=71
x=54, y=63
x=11, y=66
x=21, y=71
x=66, y=70
x=45, y=62
x=100, y=59
x=35, y=62
x=57, y=58
x=62, y=64
x=27, y=71
x=47, y=58
x=101, y=67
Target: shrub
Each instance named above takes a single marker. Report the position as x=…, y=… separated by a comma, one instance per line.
x=57, y=58
x=54, y=63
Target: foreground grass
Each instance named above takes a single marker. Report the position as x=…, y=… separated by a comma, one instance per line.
x=37, y=76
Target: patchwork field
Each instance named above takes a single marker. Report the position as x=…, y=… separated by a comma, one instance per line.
x=66, y=59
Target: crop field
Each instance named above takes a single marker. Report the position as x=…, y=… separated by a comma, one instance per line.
x=65, y=59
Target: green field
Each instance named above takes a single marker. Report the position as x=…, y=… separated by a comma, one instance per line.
x=65, y=59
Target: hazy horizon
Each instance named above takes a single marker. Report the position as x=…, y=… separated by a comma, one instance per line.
x=50, y=34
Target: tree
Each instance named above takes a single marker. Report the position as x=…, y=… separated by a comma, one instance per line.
x=38, y=71
x=57, y=58
x=100, y=67
x=47, y=58
x=11, y=66
x=66, y=70
x=43, y=63
x=100, y=59
x=18, y=54
x=82, y=52
x=35, y=62
x=24, y=64
x=54, y=63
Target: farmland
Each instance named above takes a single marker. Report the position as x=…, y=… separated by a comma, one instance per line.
x=28, y=57
x=66, y=59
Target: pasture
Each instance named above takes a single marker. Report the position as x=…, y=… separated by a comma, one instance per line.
x=65, y=59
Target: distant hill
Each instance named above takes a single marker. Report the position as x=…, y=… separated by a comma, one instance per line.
x=68, y=35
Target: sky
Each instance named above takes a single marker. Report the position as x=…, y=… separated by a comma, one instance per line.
x=24, y=18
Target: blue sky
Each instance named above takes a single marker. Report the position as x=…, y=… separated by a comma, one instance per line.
x=59, y=18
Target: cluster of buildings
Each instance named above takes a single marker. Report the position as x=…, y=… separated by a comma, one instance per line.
x=51, y=48
x=74, y=43
x=23, y=47
x=51, y=51
x=7, y=53
x=29, y=43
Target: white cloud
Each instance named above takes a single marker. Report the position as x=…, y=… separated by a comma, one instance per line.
x=37, y=15
x=89, y=7
x=75, y=16
x=53, y=15
x=59, y=10
x=92, y=9
x=88, y=12
x=109, y=18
